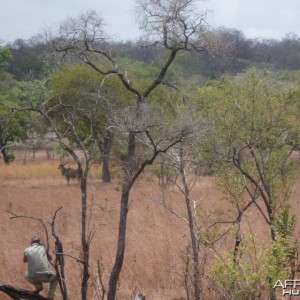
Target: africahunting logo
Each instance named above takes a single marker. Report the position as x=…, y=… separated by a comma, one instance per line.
x=290, y=287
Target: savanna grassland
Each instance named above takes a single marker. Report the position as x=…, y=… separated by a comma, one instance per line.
x=156, y=240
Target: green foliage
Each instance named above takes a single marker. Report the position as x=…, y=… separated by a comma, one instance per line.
x=5, y=58
x=79, y=85
x=83, y=104
x=244, y=280
x=81, y=96
x=139, y=72
x=285, y=246
x=229, y=180
x=13, y=127
x=250, y=119
x=284, y=224
x=60, y=152
x=143, y=74
x=209, y=222
x=6, y=80
x=32, y=93
x=13, y=124
x=257, y=269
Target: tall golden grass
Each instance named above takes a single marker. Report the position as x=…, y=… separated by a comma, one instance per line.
x=38, y=170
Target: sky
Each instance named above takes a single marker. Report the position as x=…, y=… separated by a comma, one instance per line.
x=255, y=18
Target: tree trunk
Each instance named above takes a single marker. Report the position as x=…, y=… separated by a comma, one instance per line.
x=105, y=149
x=105, y=169
x=4, y=153
x=60, y=268
x=127, y=184
x=114, y=277
x=84, y=242
x=195, y=246
x=273, y=236
x=59, y=264
x=196, y=279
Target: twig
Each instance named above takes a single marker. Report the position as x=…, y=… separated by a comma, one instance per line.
x=15, y=216
x=100, y=280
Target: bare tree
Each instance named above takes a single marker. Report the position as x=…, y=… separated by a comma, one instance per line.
x=83, y=171
x=173, y=24
x=63, y=135
x=192, y=225
x=182, y=159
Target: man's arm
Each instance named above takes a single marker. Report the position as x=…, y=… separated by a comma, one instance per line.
x=49, y=257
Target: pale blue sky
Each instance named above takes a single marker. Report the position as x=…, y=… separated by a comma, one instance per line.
x=256, y=18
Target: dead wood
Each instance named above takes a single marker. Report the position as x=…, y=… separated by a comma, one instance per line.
x=18, y=294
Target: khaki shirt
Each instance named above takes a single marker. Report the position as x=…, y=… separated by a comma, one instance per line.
x=37, y=261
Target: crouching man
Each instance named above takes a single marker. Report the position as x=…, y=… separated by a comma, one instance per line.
x=39, y=271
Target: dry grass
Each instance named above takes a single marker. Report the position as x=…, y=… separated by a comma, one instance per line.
x=155, y=241
x=37, y=170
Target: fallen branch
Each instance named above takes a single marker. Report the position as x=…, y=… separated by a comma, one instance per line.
x=18, y=294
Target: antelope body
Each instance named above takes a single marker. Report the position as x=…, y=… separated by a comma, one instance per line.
x=69, y=173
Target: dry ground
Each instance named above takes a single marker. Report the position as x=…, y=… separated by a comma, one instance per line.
x=156, y=239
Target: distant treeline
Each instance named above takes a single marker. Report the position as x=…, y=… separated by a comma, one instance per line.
x=235, y=53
